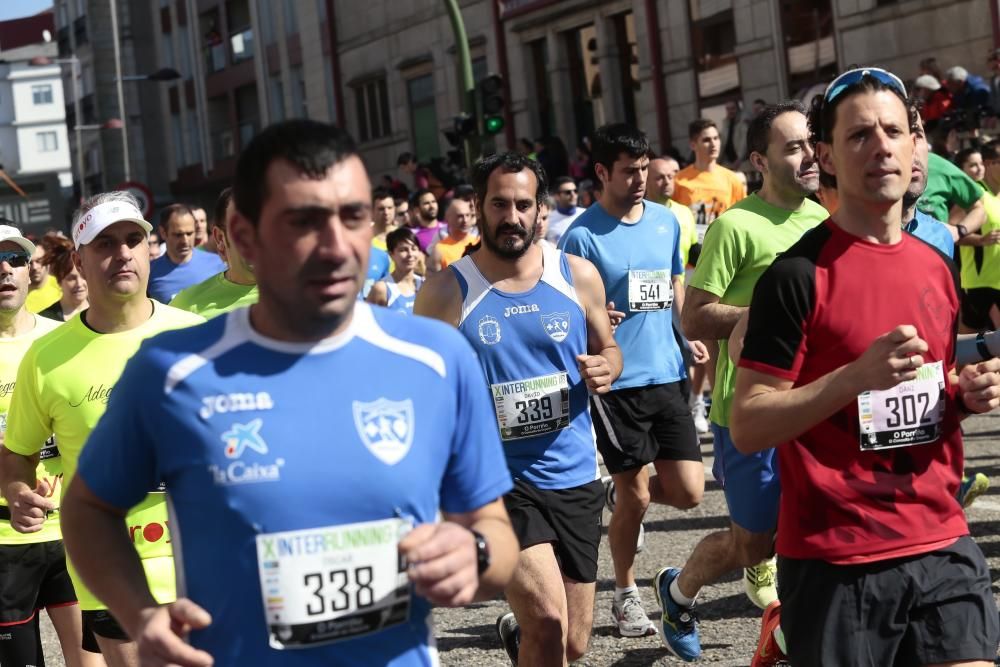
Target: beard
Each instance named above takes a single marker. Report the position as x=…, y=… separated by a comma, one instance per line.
x=509, y=248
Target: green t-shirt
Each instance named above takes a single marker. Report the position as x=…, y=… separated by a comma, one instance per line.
x=981, y=265
x=63, y=385
x=947, y=186
x=215, y=296
x=738, y=247
x=12, y=350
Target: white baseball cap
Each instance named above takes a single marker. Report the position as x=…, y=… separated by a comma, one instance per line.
x=927, y=81
x=8, y=233
x=103, y=216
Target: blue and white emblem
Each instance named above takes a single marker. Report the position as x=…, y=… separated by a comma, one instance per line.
x=489, y=330
x=556, y=326
x=241, y=437
x=386, y=428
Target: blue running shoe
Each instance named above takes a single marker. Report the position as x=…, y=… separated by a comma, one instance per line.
x=678, y=624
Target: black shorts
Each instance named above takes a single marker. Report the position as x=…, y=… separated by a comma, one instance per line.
x=919, y=610
x=640, y=425
x=976, y=304
x=101, y=623
x=32, y=577
x=568, y=518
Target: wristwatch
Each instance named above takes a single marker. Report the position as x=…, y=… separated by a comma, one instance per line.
x=963, y=231
x=482, y=551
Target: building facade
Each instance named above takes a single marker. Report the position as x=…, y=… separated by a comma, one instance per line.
x=389, y=73
x=35, y=176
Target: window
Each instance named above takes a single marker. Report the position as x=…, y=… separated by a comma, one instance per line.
x=168, y=49
x=298, y=84
x=810, y=51
x=48, y=142
x=187, y=68
x=42, y=94
x=372, y=99
x=423, y=117
x=713, y=42
x=276, y=96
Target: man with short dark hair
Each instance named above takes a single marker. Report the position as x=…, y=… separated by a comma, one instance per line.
x=383, y=216
x=537, y=319
x=317, y=536
x=230, y=289
x=857, y=390
x=564, y=190
x=635, y=245
x=180, y=266
x=424, y=212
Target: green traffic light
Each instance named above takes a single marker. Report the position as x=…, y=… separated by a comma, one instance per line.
x=493, y=124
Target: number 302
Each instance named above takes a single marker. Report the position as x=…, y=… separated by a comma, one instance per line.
x=340, y=582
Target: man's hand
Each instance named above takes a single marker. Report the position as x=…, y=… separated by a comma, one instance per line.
x=699, y=353
x=991, y=238
x=443, y=565
x=892, y=358
x=979, y=385
x=28, y=507
x=616, y=316
x=161, y=632
x=596, y=372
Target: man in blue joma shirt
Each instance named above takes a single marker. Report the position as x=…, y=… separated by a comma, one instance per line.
x=304, y=487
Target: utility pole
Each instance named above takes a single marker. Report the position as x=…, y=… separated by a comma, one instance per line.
x=466, y=84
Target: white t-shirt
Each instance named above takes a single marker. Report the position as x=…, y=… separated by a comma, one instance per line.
x=560, y=222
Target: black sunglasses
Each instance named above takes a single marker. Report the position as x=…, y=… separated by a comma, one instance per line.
x=16, y=258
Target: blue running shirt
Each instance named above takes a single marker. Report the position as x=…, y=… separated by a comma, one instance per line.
x=636, y=261
x=396, y=300
x=292, y=470
x=527, y=344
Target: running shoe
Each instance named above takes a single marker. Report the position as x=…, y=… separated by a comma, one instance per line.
x=510, y=635
x=760, y=583
x=610, y=498
x=630, y=618
x=678, y=624
x=769, y=653
x=700, y=416
x=971, y=488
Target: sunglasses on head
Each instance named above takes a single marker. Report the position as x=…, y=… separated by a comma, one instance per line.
x=16, y=258
x=854, y=76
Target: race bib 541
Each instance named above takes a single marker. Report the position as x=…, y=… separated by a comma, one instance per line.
x=650, y=290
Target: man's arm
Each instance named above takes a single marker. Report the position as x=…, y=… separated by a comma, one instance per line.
x=705, y=318
x=602, y=364
x=114, y=573
x=433, y=259
x=26, y=496
x=378, y=294
x=442, y=557
x=973, y=220
x=768, y=411
x=440, y=297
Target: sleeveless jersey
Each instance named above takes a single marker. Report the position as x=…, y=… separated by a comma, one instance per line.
x=527, y=344
x=396, y=300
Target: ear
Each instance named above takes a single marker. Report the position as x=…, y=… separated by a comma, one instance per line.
x=824, y=156
x=602, y=172
x=758, y=161
x=221, y=243
x=243, y=235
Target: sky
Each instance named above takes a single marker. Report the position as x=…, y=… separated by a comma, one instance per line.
x=15, y=9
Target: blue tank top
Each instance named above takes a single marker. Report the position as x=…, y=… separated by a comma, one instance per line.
x=527, y=344
x=396, y=300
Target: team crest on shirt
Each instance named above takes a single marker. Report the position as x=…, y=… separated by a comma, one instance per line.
x=489, y=330
x=556, y=325
x=385, y=427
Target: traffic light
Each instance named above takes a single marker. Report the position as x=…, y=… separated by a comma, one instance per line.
x=463, y=127
x=491, y=103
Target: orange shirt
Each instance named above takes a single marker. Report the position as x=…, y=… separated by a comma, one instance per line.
x=708, y=193
x=449, y=250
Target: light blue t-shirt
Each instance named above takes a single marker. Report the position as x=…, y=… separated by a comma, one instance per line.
x=378, y=269
x=929, y=229
x=255, y=437
x=396, y=300
x=166, y=279
x=636, y=261
x=527, y=343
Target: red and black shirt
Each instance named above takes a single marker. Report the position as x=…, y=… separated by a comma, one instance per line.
x=818, y=307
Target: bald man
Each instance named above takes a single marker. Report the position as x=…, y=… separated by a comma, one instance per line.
x=459, y=219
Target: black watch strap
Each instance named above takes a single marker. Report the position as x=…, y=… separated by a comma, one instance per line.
x=982, y=348
x=482, y=551
x=963, y=231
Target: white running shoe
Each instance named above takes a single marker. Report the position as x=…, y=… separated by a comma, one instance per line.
x=630, y=618
x=699, y=415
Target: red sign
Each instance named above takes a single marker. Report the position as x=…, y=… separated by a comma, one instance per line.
x=141, y=192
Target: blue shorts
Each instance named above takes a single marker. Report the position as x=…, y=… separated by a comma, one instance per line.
x=750, y=483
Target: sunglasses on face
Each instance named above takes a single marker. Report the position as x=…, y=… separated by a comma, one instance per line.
x=854, y=76
x=15, y=258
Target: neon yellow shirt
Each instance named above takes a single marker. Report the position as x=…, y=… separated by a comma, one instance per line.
x=50, y=467
x=983, y=271
x=63, y=386
x=43, y=297
x=215, y=296
x=689, y=235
